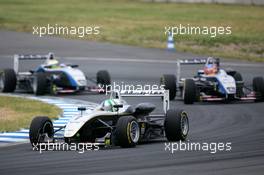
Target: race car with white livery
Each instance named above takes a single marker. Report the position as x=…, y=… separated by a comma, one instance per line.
x=212, y=84
x=51, y=77
x=114, y=122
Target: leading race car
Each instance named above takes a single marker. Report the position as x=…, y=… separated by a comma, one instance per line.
x=212, y=84
x=114, y=122
x=50, y=77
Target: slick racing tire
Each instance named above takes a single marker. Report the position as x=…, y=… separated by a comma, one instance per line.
x=39, y=84
x=8, y=80
x=239, y=84
x=189, y=91
x=40, y=128
x=169, y=82
x=176, y=125
x=230, y=72
x=258, y=87
x=127, y=132
x=103, y=78
x=237, y=76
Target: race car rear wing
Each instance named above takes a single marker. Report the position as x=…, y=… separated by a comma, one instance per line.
x=148, y=93
x=17, y=58
x=193, y=61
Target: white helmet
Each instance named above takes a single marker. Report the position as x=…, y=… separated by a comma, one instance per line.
x=50, y=61
x=108, y=105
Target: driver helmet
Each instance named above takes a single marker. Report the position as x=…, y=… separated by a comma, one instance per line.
x=51, y=61
x=108, y=105
x=211, y=68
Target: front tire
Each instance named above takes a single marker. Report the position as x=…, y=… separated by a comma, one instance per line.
x=8, y=80
x=169, y=82
x=176, y=125
x=39, y=85
x=189, y=91
x=239, y=84
x=258, y=87
x=127, y=132
x=230, y=72
x=237, y=76
x=40, y=128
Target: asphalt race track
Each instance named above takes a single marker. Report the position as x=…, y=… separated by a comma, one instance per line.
x=242, y=124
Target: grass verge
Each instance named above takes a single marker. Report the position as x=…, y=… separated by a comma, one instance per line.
x=139, y=23
x=17, y=112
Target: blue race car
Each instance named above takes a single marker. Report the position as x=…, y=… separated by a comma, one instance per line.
x=51, y=77
x=212, y=84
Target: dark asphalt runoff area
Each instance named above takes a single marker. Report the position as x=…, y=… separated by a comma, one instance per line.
x=241, y=124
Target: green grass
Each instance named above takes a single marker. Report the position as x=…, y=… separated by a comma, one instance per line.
x=142, y=24
x=17, y=113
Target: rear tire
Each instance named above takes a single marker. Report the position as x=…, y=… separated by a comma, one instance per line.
x=176, y=125
x=127, y=132
x=189, y=91
x=38, y=127
x=8, y=80
x=258, y=87
x=40, y=84
x=169, y=82
x=103, y=78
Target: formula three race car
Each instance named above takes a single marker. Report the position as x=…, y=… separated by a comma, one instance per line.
x=50, y=77
x=114, y=122
x=212, y=84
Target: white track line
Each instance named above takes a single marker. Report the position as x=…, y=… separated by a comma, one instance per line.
x=154, y=61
